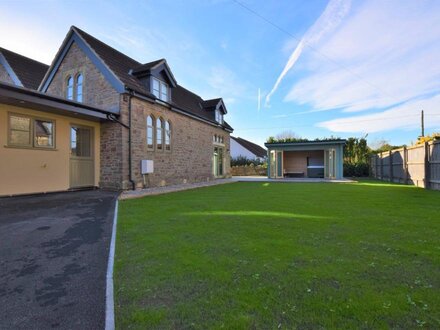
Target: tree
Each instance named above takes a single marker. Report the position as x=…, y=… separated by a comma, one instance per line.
x=287, y=135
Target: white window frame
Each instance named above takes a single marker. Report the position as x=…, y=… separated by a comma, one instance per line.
x=159, y=134
x=167, y=135
x=218, y=116
x=163, y=89
x=79, y=87
x=153, y=129
x=70, y=88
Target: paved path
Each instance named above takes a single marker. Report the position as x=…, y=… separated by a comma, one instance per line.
x=53, y=260
x=167, y=189
x=292, y=180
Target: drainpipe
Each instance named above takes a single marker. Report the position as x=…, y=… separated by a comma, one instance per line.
x=113, y=118
x=130, y=172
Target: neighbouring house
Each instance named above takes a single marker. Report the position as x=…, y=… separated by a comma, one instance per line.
x=306, y=159
x=21, y=71
x=244, y=148
x=102, y=119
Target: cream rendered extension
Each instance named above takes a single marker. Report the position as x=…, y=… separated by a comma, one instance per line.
x=31, y=170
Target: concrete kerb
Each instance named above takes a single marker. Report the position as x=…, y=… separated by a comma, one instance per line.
x=109, y=296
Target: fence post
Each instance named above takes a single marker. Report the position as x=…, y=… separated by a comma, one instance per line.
x=381, y=166
x=391, y=165
x=405, y=164
x=427, y=167
x=375, y=166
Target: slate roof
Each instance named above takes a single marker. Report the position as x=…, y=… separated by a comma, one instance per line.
x=211, y=103
x=148, y=66
x=124, y=67
x=119, y=63
x=252, y=147
x=29, y=72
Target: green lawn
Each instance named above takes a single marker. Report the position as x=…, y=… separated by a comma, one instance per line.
x=280, y=255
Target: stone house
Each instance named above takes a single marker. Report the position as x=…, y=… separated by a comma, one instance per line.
x=133, y=113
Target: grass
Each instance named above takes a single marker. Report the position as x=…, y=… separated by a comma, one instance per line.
x=277, y=255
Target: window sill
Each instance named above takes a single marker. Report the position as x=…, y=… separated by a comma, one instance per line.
x=30, y=148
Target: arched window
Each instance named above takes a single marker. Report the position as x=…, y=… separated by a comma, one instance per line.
x=79, y=87
x=69, y=89
x=159, y=138
x=150, y=132
x=167, y=135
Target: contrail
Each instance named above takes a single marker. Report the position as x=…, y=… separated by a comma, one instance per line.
x=329, y=19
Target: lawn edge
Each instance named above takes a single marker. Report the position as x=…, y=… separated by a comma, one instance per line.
x=109, y=296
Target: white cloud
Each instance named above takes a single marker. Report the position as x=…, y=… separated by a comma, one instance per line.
x=225, y=83
x=406, y=116
x=328, y=21
x=387, y=53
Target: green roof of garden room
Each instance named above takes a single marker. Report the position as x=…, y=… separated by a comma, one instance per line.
x=305, y=145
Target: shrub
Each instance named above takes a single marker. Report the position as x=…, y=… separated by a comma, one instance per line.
x=358, y=170
x=242, y=161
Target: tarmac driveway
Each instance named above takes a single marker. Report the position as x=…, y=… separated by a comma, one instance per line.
x=53, y=260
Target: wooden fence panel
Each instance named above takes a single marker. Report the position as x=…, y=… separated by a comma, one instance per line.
x=386, y=166
x=434, y=165
x=398, y=166
x=418, y=165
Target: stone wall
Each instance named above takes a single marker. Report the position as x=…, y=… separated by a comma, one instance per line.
x=97, y=91
x=4, y=76
x=249, y=170
x=192, y=147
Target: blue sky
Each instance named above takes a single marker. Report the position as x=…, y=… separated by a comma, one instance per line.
x=349, y=67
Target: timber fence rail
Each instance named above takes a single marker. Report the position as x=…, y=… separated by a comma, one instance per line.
x=418, y=165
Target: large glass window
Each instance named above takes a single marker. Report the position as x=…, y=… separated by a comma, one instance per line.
x=69, y=89
x=218, y=117
x=159, y=130
x=26, y=131
x=167, y=135
x=160, y=89
x=79, y=88
x=150, y=132
x=156, y=88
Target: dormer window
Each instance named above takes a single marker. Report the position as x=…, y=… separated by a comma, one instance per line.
x=218, y=117
x=160, y=89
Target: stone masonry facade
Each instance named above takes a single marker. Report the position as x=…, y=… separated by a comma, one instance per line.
x=4, y=75
x=192, y=147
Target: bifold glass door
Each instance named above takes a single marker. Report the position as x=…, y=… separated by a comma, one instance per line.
x=217, y=162
x=276, y=164
x=330, y=163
